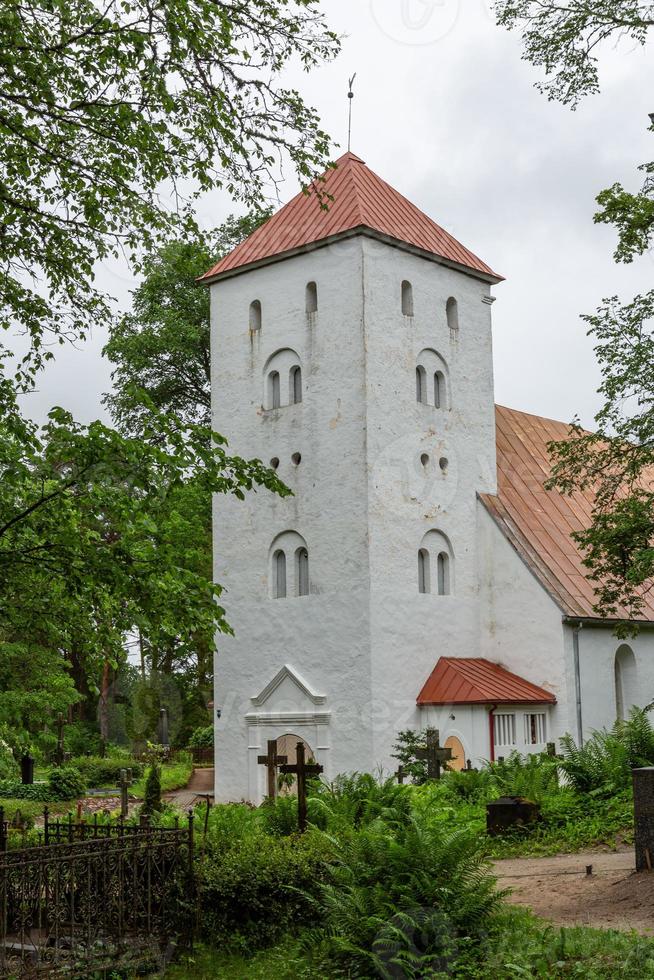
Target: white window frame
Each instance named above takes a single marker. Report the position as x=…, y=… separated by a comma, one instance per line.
x=504, y=726
x=536, y=720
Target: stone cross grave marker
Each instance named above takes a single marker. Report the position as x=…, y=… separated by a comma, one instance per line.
x=400, y=774
x=271, y=761
x=301, y=769
x=434, y=754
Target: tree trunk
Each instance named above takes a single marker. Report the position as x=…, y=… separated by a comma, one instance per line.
x=103, y=704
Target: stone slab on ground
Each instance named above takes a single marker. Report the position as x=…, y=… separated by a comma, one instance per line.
x=558, y=889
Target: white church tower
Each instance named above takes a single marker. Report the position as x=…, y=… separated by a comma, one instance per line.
x=351, y=350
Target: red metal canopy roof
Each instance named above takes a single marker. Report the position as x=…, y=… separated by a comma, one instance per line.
x=474, y=680
x=359, y=200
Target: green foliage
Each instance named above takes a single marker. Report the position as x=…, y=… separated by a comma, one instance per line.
x=82, y=738
x=66, y=783
x=356, y=800
x=152, y=796
x=388, y=886
x=408, y=741
x=602, y=766
x=531, y=776
x=201, y=738
x=101, y=108
x=99, y=772
x=38, y=792
x=260, y=887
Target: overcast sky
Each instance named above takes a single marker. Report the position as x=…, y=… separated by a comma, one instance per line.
x=447, y=112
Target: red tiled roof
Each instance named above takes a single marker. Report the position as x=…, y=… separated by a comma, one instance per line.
x=474, y=680
x=360, y=200
x=538, y=522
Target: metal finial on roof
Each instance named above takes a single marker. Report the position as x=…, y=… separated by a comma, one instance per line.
x=350, y=95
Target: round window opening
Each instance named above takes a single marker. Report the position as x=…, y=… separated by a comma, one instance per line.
x=424, y=459
x=296, y=458
x=274, y=462
x=443, y=463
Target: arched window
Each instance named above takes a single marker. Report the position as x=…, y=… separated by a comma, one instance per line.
x=423, y=571
x=282, y=376
x=296, y=385
x=255, y=315
x=432, y=386
x=302, y=571
x=435, y=555
x=407, y=298
x=443, y=573
x=279, y=575
x=289, y=566
x=311, y=295
x=274, y=390
x=626, y=681
x=452, y=313
x=421, y=385
x=440, y=394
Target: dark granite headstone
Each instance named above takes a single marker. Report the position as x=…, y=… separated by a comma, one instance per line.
x=510, y=813
x=644, y=817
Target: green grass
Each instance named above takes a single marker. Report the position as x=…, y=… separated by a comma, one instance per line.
x=520, y=946
x=173, y=776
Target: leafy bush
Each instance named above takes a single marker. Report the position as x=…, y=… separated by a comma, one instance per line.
x=66, y=783
x=81, y=737
x=8, y=765
x=13, y=789
x=260, y=887
x=152, y=798
x=356, y=799
x=106, y=772
x=530, y=776
x=201, y=738
x=389, y=885
x=602, y=766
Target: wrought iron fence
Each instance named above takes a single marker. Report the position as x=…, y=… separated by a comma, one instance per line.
x=95, y=904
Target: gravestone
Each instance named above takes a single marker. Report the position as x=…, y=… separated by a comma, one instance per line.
x=510, y=813
x=643, y=780
x=27, y=770
x=435, y=755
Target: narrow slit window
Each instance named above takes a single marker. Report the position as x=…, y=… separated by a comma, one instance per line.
x=423, y=571
x=407, y=298
x=312, y=297
x=279, y=575
x=443, y=573
x=439, y=390
x=274, y=390
x=255, y=315
x=452, y=313
x=302, y=557
x=296, y=385
x=421, y=385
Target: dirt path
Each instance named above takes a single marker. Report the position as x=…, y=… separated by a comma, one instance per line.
x=558, y=889
x=200, y=783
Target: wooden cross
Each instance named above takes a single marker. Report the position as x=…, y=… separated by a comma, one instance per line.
x=434, y=754
x=125, y=782
x=301, y=769
x=400, y=774
x=271, y=760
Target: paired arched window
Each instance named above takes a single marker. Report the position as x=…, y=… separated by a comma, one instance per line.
x=626, y=681
x=452, y=313
x=435, y=564
x=255, y=315
x=311, y=297
x=282, y=380
x=432, y=380
x=289, y=566
x=407, y=298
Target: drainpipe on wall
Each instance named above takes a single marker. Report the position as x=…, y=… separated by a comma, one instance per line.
x=575, y=652
x=491, y=729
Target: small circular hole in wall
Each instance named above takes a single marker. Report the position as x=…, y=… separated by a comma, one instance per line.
x=424, y=459
x=443, y=464
x=296, y=458
x=274, y=462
